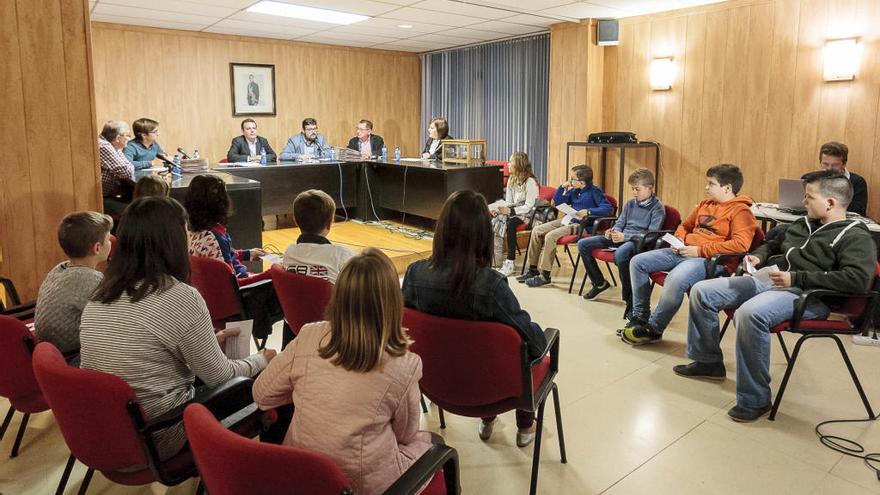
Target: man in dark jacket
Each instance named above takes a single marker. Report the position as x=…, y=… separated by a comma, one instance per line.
x=366, y=142
x=823, y=250
x=833, y=156
x=249, y=147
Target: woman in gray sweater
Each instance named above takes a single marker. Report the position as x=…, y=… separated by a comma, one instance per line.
x=145, y=325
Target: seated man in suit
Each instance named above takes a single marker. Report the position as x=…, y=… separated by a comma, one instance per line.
x=249, y=147
x=307, y=145
x=366, y=142
x=117, y=173
x=833, y=156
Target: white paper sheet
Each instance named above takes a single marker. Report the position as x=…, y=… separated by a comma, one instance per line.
x=567, y=209
x=272, y=258
x=239, y=346
x=673, y=241
x=763, y=274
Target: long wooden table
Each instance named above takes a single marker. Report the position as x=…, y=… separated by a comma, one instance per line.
x=370, y=190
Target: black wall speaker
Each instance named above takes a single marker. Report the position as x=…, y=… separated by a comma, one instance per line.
x=607, y=33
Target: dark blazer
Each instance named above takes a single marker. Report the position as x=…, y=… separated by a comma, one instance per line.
x=438, y=155
x=239, y=151
x=859, y=203
x=376, y=143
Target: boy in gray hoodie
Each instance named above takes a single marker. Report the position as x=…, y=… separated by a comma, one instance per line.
x=823, y=250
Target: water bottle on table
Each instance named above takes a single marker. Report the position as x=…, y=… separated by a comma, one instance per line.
x=196, y=154
x=384, y=153
x=175, y=170
x=263, y=159
x=397, y=154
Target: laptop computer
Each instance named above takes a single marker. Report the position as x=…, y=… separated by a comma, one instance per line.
x=791, y=196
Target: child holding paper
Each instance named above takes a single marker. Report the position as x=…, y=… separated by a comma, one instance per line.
x=578, y=198
x=642, y=213
x=722, y=223
x=823, y=250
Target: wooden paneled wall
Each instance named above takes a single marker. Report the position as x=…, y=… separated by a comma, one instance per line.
x=749, y=90
x=575, y=94
x=47, y=127
x=181, y=79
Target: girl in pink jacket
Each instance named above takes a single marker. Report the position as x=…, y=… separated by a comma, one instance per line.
x=354, y=384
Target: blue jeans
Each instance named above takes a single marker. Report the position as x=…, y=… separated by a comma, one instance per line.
x=622, y=255
x=684, y=272
x=758, y=308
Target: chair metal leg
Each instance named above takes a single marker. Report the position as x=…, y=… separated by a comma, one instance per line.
x=568, y=252
x=83, y=488
x=260, y=345
x=424, y=406
x=526, y=257
x=20, y=436
x=574, y=271
x=611, y=272
x=583, y=283
x=562, y=456
x=200, y=489
x=556, y=259
x=784, y=348
x=442, y=418
x=6, y=421
x=536, y=456
x=788, y=370
x=66, y=475
x=855, y=378
x=724, y=329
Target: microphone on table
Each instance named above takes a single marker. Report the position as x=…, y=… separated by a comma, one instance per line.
x=168, y=163
x=183, y=153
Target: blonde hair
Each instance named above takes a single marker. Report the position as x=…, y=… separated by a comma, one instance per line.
x=641, y=177
x=521, y=169
x=365, y=313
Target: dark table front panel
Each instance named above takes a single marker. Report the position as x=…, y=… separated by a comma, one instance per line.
x=281, y=183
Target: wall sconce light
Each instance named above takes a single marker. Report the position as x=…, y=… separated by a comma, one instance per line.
x=842, y=59
x=662, y=74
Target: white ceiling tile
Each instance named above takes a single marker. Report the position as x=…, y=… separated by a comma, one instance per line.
x=507, y=28
x=233, y=4
x=155, y=15
x=239, y=32
x=115, y=19
x=522, y=5
x=396, y=33
x=401, y=48
x=642, y=7
x=332, y=34
x=177, y=6
x=412, y=43
x=333, y=41
x=442, y=18
x=442, y=39
x=403, y=3
x=539, y=20
x=245, y=28
x=448, y=6
x=474, y=34
x=418, y=26
x=362, y=7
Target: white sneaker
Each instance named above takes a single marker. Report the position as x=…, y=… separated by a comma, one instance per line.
x=508, y=268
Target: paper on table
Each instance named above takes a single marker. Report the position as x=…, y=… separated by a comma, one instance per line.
x=272, y=258
x=239, y=346
x=672, y=241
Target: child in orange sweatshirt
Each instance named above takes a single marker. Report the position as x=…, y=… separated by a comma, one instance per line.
x=722, y=223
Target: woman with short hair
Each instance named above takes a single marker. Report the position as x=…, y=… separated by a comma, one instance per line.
x=143, y=151
x=438, y=130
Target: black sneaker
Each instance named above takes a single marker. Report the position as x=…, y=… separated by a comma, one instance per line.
x=525, y=276
x=640, y=335
x=627, y=313
x=712, y=371
x=538, y=281
x=596, y=290
x=742, y=414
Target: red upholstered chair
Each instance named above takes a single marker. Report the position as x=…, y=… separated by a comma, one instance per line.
x=223, y=160
x=479, y=369
x=671, y=221
x=857, y=308
x=541, y=213
x=217, y=284
x=17, y=382
x=303, y=298
x=231, y=464
x=105, y=428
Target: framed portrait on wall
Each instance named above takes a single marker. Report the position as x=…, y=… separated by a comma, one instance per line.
x=253, y=89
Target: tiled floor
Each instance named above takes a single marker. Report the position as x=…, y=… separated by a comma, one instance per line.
x=631, y=425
